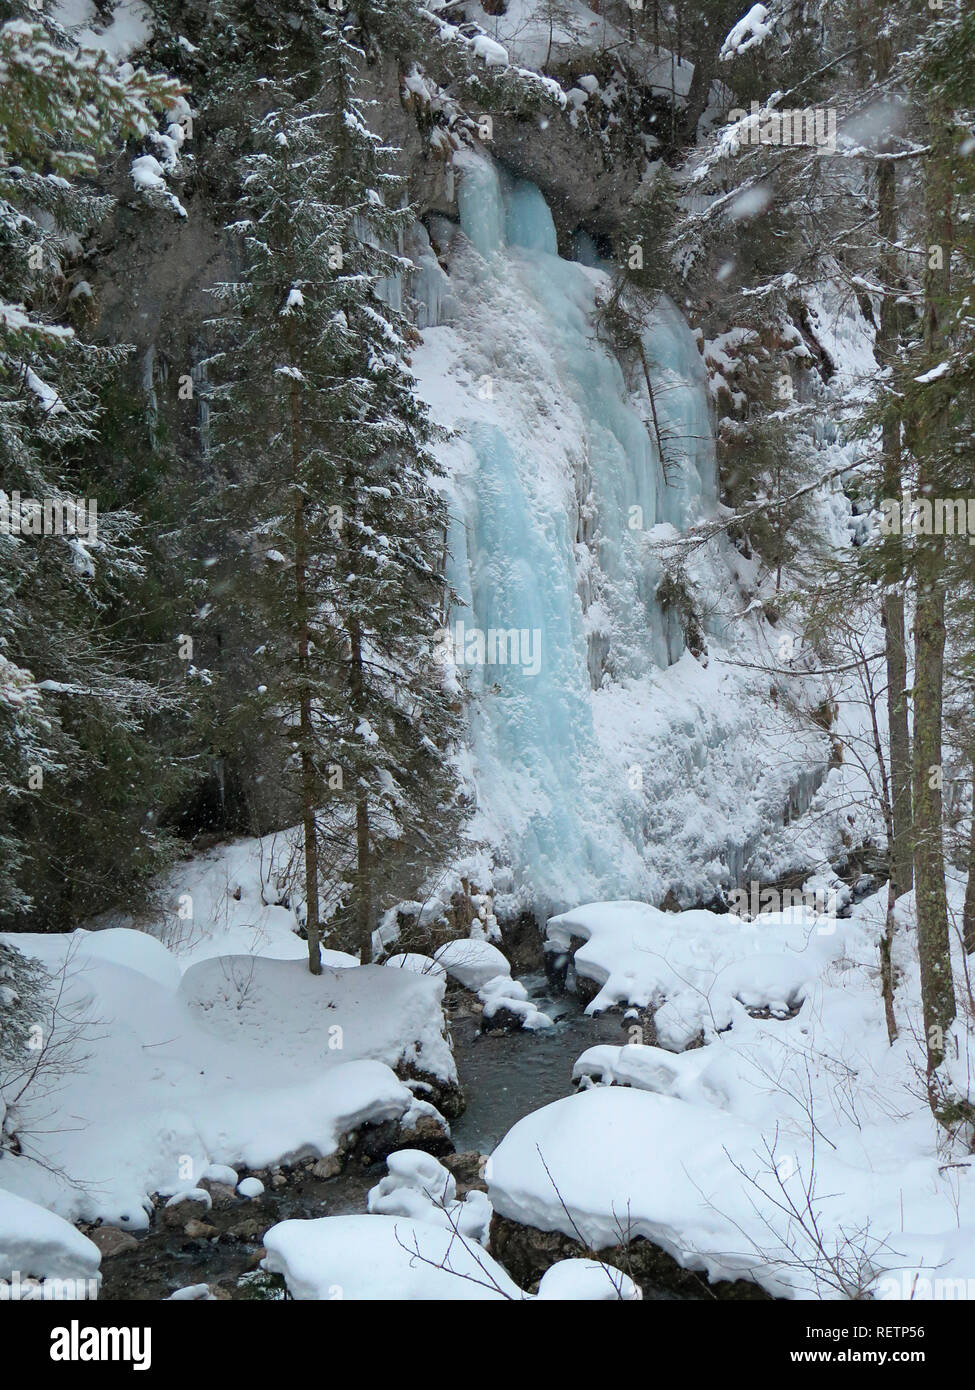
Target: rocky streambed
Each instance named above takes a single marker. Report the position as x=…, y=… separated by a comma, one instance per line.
x=216, y=1250
x=504, y=1075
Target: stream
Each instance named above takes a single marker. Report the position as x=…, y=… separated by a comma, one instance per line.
x=504, y=1075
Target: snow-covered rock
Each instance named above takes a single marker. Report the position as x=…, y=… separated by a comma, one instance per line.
x=701, y=963
x=35, y=1243
x=506, y=1000
x=472, y=963
x=587, y=1281
x=419, y=1187
x=382, y=1257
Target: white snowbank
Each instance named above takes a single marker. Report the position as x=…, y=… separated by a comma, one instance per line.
x=382, y=1257
x=702, y=963
x=796, y=1149
x=249, y=1062
x=339, y=1015
x=35, y=1243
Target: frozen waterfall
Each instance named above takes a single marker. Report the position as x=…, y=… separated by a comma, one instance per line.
x=590, y=725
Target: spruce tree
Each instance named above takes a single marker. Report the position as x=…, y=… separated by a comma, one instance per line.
x=72, y=707
x=328, y=447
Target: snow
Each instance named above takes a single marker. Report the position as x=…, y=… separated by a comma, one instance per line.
x=503, y=993
x=191, y=1194
x=419, y=964
x=133, y=949
x=382, y=1257
x=492, y=53
x=419, y=1187
x=247, y=1062
x=39, y=1244
x=147, y=173
x=128, y=29
x=346, y=1014
x=222, y=1172
x=587, y=1281
x=250, y=1187
x=625, y=766
x=748, y=33
x=472, y=963
x=942, y=369
x=702, y=963
x=734, y=1155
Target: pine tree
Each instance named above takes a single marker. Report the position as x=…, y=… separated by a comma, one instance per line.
x=329, y=450
x=72, y=709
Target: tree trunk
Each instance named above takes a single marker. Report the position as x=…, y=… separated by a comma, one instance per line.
x=933, y=940
x=899, y=741
x=968, y=913
x=306, y=735
x=895, y=636
x=363, y=877
x=933, y=943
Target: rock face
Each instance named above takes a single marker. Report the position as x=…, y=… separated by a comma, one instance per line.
x=522, y=941
x=527, y=1253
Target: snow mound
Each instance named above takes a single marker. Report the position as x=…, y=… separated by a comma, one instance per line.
x=503, y=994
x=472, y=963
x=703, y=964
x=335, y=1017
x=419, y=964
x=587, y=1281
x=37, y=1244
x=419, y=1187
x=133, y=949
x=626, y=1163
x=382, y=1257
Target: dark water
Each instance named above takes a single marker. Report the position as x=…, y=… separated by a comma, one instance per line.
x=506, y=1076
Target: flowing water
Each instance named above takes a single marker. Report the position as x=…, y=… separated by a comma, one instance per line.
x=507, y=1075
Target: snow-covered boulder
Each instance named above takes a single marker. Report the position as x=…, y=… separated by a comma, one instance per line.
x=507, y=1006
x=419, y=1187
x=587, y=1281
x=472, y=963
x=695, y=967
x=615, y=1166
x=37, y=1244
x=382, y=1257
